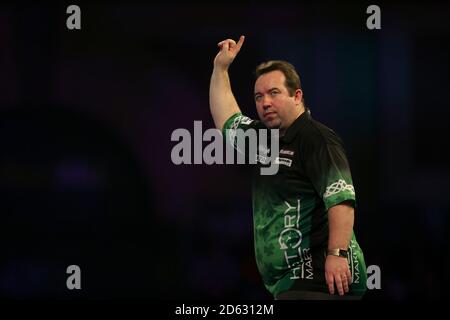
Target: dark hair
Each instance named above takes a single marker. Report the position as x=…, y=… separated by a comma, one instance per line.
x=292, y=81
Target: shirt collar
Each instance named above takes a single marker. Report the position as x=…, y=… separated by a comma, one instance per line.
x=292, y=131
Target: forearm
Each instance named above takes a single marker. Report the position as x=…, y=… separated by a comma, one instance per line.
x=340, y=223
x=221, y=99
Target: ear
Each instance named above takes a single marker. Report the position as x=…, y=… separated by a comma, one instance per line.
x=298, y=96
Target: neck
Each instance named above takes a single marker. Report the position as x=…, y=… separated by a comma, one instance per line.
x=297, y=114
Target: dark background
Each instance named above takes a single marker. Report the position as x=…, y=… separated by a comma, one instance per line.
x=86, y=118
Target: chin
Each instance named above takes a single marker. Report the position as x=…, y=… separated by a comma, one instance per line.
x=272, y=124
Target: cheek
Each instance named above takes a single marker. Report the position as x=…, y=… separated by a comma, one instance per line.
x=259, y=108
x=277, y=106
x=282, y=105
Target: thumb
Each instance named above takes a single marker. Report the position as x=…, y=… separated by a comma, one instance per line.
x=225, y=46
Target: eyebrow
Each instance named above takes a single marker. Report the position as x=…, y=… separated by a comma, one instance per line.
x=271, y=89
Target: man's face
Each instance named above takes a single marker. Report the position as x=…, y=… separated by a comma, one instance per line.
x=276, y=108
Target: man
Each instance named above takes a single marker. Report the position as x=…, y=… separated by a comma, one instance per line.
x=303, y=215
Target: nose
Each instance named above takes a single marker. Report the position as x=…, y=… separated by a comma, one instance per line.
x=266, y=103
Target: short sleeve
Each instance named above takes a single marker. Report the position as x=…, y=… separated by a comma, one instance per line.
x=236, y=122
x=327, y=167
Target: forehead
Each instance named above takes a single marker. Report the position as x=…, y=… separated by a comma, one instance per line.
x=270, y=80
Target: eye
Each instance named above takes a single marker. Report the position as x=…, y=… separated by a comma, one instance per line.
x=258, y=97
x=274, y=93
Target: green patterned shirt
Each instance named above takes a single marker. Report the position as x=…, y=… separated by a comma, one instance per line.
x=290, y=208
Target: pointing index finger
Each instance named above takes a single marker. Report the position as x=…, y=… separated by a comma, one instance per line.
x=241, y=41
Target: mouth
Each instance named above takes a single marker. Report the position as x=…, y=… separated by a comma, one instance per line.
x=269, y=114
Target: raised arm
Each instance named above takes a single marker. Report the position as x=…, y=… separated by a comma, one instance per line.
x=221, y=99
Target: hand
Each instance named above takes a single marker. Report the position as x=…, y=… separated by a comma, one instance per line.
x=337, y=272
x=228, y=51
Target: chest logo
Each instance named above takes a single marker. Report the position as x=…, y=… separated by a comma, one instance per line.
x=283, y=161
x=287, y=152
